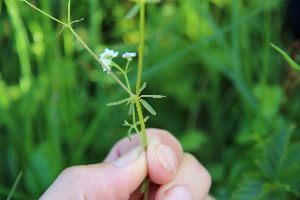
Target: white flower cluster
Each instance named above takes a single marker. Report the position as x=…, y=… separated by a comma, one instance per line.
x=108, y=55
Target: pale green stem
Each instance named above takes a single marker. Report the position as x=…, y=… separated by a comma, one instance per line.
x=139, y=74
x=142, y=123
x=69, y=11
x=124, y=74
x=127, y=65
x=99, y=61
x=128, y=85
x=83, y=44
x=141, y=46
x=45, y=13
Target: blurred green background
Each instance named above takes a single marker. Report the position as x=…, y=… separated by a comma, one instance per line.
x=231, y=99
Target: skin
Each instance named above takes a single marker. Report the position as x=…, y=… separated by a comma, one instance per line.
x=171, y=171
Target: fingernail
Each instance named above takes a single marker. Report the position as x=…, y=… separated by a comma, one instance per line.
x=167, y=157
x=129, y=157
x=178, y=192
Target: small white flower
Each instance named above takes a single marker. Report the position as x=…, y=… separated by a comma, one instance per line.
x=129, y=55
x=109, y=54
x=107, y=63
x=107, y=57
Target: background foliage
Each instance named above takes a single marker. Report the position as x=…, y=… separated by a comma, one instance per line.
x=231, y=99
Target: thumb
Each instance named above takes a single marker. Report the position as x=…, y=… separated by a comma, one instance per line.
x=114, y=180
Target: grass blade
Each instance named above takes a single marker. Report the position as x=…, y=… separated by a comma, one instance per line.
x=286, y=57
x=13, y=189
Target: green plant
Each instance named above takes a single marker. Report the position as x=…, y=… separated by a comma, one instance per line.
x=134, y=100
x=105, y=61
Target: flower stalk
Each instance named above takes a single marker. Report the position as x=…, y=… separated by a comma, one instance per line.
x=139, y=73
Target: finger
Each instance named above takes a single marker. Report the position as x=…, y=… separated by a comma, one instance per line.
x=115, y=180
x=191, y=182
x=122, y=147
x=163, y=153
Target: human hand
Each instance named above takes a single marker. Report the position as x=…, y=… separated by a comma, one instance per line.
x=173, y=174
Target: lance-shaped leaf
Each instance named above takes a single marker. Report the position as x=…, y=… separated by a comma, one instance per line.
x=145, y=120
x=147, y=106
x=119, y=102
x=133, y=11
x=126, y=123
x=153, y=96
x=131, y=108
x=143, y=87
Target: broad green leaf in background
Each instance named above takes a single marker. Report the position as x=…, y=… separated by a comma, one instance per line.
x=250, y=189
x=275, y=152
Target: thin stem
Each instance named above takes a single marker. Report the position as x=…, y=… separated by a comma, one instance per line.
x=99, y=61
x=83, y=44
x=124, y=72
x=142, y=122
x=139, y=74
x=45, y=13
x=141, y=46
x=69, y=11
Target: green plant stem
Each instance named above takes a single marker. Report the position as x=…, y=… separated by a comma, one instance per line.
x=124, y=72
x=83, y=43
x=141, y=46
x=99, y=61
x=139, y=74
x=36, y=8
x=142, y=122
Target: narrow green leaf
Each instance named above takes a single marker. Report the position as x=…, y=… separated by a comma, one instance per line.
x=153, y=96
x=13, y=189
x=119, y=102
x=129, y=132
x=126, y=123
x=146, y=119
x=133, y=11
x=286, y=57
x=131, y=108
x=145, y=185
x=143, y=87
x=148, y=107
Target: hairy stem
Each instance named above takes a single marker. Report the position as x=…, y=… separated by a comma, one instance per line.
x=36, y=8
x=82, y=42
x=139, y=74
x=99, y=61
